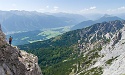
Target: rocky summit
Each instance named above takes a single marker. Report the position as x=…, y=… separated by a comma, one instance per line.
x=16, y=62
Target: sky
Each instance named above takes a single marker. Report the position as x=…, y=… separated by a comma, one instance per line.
x=68, y=6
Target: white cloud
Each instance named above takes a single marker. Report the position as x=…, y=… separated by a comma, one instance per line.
x=91, y=8
x=41, y=10
x=47, y=6
x=55, y=8
x=14, y=5
x=117, y=10
x=49, y=9
x=94, y=9
x=121, y=8
x=88, y=9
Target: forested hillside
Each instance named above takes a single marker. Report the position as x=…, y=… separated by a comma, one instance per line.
x=76, y=51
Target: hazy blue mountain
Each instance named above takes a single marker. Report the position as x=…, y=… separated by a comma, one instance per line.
x=121, y=15
x=73, y=17
x=93, y=16
x=13, y=21
x=83, y=24
x=107, y=18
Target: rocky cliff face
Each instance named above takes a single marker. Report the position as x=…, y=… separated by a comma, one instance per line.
x=110, y=58
x=113, y=60
x=16, y=62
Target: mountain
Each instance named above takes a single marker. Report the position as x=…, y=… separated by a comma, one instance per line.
x=16, y=62
x=74, y=17
x=108, y=18
x=17, y=21
x=105, y=18
x=94, y=50
x=93, y=16
x=83, y=24
x=121, y=15
x=21, y=38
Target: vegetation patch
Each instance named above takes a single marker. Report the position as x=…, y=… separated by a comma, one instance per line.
x=93, y=71
x=110, y=61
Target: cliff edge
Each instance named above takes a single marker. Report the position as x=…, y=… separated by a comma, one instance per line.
x=16, y=62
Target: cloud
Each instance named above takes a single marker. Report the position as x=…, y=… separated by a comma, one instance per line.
x=91, y=8
x=117, y=10
x=14, y=5
x=94, y=9
x=88, y=9
x=47, y=6
x=41, y=9
x=121, y=8
x=55, y=8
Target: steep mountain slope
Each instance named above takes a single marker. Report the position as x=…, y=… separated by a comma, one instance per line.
x=16, y=62
x=29, y=21
x=79, y=52
x=113, y=60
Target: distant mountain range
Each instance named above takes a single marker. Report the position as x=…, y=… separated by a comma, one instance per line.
x=105, y=18
x=15, y=21
x=33, y=35
x=75, y=17
x=87, y=51
x=18, y=21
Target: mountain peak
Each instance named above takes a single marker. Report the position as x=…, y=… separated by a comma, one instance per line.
x=106, y=15
x=108, y=18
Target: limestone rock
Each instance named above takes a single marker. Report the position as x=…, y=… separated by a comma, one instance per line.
x=16, y=62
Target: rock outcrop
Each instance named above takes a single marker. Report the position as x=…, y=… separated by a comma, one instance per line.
x=113, y=60
x=16, y=62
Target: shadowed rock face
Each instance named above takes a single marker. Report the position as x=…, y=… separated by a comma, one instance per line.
x=16, y=62
x=2, y=37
